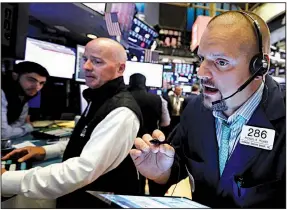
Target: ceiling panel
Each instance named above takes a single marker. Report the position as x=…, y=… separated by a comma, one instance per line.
x=73, y=16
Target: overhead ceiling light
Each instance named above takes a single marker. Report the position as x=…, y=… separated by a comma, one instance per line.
x=92, y=36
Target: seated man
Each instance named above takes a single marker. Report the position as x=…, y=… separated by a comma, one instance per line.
x=18, y=87
x=96, y=156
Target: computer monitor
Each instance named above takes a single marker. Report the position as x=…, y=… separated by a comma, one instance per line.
x=59, y=60
x=186, y=89
x=152, y=72
x=168, y=67
x=83, y=100
x=184, y=69
x=169, y=77
x=141, y=34
x=135, y=55
x=80, y=74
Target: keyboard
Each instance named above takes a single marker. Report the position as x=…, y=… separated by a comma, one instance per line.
x=13, y=165
x=52, y=133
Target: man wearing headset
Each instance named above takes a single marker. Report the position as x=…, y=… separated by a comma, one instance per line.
x=232, y=148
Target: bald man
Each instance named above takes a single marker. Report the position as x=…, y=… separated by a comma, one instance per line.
x=96, y=157
x=234, y=150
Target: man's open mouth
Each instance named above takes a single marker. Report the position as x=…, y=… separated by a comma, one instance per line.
x=210, y=90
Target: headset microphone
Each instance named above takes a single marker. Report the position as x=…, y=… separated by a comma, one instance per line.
x=220, y=105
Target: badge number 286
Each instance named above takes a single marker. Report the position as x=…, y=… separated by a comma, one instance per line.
x=257, y=137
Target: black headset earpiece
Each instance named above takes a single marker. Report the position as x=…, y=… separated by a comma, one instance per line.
x=259, y=63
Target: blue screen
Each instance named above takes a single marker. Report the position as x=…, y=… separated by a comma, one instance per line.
x=141, y=34
x=135, y=55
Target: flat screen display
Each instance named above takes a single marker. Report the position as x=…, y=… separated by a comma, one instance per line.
x=127, y=201
x=80, y=74
x=59, y=60
x=168, y=67
x=135, y=55
x=186, y=89
x=183, y=69
x=169, y=77
x=152, y=72
x=141, y=34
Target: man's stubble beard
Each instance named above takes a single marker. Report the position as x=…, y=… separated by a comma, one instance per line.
x=206, y=101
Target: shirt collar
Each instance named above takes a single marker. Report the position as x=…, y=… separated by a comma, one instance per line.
x=246, y=110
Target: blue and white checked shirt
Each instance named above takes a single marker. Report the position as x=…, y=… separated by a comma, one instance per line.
x=245, y=111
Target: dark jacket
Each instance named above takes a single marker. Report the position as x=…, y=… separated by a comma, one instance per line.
x=263, y=171
x=187, y=99
x=150, y=104
x=124, y=178
x=166, y=97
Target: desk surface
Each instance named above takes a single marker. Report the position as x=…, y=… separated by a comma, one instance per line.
x=54, y=123
x=21, y=201
x=18, y=201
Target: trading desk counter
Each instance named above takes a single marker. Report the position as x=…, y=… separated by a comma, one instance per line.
x=20, y=201
x=38, y=143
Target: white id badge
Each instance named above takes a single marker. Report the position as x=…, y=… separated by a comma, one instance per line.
x=262, y=138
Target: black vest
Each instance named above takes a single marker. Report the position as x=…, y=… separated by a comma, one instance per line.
x=124, y=178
